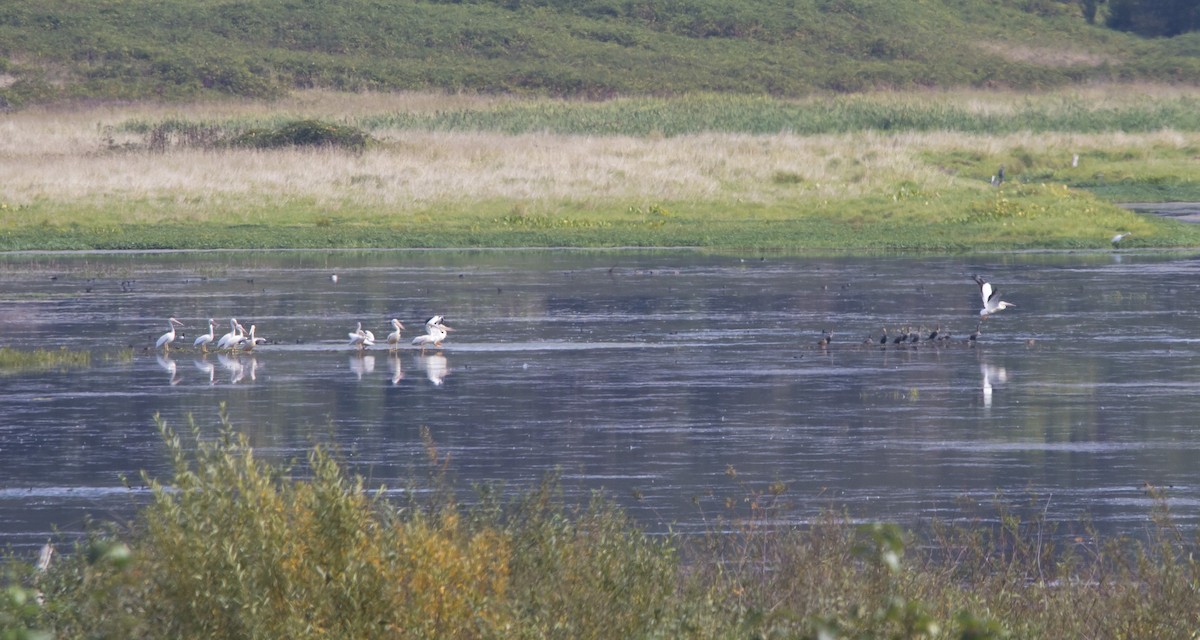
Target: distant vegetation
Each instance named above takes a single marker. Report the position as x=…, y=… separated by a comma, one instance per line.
x=23, y=360
x=234, y=547
x=52, y=50
x=865, y=173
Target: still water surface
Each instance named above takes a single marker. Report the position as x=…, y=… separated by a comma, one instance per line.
x=648, y=375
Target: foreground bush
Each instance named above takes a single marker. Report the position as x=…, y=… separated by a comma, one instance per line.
x=233, y=547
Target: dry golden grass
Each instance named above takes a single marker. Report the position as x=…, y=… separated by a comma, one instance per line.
x=68, y=155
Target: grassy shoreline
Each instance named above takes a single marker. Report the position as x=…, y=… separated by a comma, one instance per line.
x=231, y=546
x=875, y=173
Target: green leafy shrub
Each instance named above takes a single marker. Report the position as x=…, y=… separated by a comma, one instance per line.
x=304, y=133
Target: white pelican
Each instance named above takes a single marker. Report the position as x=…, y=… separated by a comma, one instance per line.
x=231, y=339
x=165, y=340
x=248, y=342
x=393, y=338
x=1116, y=240
x=361, y=338
x=202, y=341
x=991, y=299
x=435, y=332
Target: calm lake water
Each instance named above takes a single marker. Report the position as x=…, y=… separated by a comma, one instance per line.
x=648, y=375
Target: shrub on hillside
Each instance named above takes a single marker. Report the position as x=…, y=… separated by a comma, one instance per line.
x=304, y=133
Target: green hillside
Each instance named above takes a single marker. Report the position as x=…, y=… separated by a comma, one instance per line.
x=52, y=50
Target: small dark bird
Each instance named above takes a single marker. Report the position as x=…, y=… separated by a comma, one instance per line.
x=883, y=339
x=934, y=334
x=826, y=338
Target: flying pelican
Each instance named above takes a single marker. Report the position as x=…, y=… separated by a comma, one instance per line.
x=991, y=299
x=248, y=342
x=202, y=341
x=393, y=338
x=231, y=339
x=165, y=340
x=361, y=338
x=435, y=332
x=1116, y=240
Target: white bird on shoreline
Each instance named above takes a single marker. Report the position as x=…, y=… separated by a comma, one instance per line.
x=248, y=342
x=361, y=338
x=231, y=339
x=165, y=340
x=203, y=341
x=1116, y=240
x=991, y=298
x=435, y=332
x=393, y=338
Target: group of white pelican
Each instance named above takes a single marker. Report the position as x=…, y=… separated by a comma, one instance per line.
x=238, y=339
x=435, y=332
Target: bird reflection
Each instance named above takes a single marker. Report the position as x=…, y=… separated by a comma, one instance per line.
x=396, y=370
x=236, y=369
x=436, y=368
x=991, y=375
x=361, y=365
x=168, y=365
x=206, y=367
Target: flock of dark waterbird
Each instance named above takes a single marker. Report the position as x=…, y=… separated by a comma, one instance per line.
x=909, y=336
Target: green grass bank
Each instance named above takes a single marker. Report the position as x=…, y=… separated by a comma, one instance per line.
x=883, y=172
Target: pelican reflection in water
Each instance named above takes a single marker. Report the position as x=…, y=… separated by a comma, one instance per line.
x=237, y=370
x=395, y=368
x=361, y=365
x=168, y=365
x=206, y=367
x=435, y=366
x=991, y=375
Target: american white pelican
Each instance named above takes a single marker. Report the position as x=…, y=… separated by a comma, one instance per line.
x=202, y=342
x=361, y=338
x=231, y=339
x=435, y=332
x=393, y=338
x=991, y=299
x=165, y=340
x=248, y=342
x=1116, y=240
